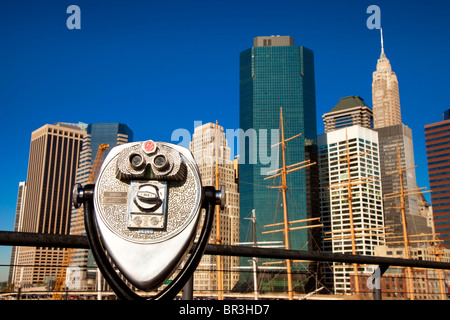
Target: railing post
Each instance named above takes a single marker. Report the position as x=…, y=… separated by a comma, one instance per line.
x=374, y=281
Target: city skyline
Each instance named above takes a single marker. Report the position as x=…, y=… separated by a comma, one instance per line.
x=127, y=58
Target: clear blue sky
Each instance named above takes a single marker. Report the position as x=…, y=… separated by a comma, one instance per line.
x=161, y=65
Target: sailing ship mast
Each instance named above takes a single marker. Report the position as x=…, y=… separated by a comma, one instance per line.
x=255, y=260
x=438, y=252
x=285, y=170
x=402, y=194
x=218, y=235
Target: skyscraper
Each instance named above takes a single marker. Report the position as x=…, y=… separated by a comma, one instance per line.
x=351, y=121
x=53, y=160
x=364, y=214
x=348, y=112
x=112, y=134
x=385, y=93
x=394, y=135
x=17, y=227
x=205, y=141
x=437, y=139
x=391, y=138
x=275, y=74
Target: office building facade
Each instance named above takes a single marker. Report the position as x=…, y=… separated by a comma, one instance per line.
x=396, y=149
x=437, y=140
x=53, y=160
x=426, y=283
x=385, y=93
x=203, y=148
x=275, y=74
x=350, y=111
x=364, y=213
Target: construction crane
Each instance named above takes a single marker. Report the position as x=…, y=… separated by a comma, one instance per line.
x=68, y=255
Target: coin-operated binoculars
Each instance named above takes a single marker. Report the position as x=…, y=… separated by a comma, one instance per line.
x=144, y=217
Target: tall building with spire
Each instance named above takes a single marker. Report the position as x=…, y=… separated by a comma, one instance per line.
x=396, y=148
x=385, y=93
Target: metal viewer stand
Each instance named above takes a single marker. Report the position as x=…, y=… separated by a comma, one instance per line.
x=210, y=198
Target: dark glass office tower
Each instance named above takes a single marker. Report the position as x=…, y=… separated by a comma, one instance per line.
x=113, y=134
x=108, y=133
x=275, y=74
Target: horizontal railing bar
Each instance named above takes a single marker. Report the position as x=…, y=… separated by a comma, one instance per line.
x=29, y=239
x=229, y=250
x=10, y=238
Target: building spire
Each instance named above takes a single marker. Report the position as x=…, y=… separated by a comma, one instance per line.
x=382, y=44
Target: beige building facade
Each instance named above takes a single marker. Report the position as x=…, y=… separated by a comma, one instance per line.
x=426, y=282
x=53, y=160
x=385, y=94
x=203, y=147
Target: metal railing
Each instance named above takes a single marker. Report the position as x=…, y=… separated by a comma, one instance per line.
x=9, y=238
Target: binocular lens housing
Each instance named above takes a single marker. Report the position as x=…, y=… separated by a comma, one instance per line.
x=160, y=162
x=136, y=161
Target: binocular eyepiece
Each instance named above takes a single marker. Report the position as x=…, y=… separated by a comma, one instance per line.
x=150, y=160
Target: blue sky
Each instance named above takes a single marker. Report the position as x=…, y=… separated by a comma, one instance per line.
x=161, y=65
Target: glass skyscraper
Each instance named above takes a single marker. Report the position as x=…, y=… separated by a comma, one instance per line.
x=113, y=134
x=275, y=74
x=108, y=133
